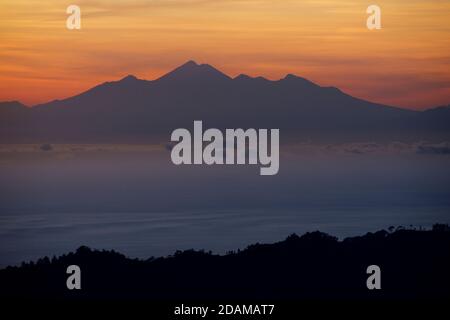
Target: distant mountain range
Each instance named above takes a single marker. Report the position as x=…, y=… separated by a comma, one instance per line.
x=132, y=110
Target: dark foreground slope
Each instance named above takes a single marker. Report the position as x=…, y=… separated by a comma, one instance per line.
x=414, y=264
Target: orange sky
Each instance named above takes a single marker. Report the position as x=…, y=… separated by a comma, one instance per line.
x=405, y=64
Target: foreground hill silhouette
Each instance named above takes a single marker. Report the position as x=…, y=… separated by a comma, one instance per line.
x=414, y=264
x=132, y=110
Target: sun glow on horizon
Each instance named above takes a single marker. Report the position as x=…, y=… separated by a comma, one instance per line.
x=406, y=63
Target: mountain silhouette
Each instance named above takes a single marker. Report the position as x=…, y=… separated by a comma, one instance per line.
x=193, y=72
x=135, y=110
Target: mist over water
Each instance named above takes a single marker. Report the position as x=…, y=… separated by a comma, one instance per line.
x=136, y=201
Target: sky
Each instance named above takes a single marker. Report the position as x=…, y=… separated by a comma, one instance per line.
x=405, y=64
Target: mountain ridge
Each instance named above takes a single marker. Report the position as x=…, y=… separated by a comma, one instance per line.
x=193, y=64
x=131, y=108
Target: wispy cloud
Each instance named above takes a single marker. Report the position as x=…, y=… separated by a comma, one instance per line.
x=405, y=63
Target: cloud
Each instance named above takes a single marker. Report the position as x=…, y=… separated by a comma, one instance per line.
x=438, y=149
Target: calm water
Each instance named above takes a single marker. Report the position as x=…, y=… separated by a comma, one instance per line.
x=135, y=201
